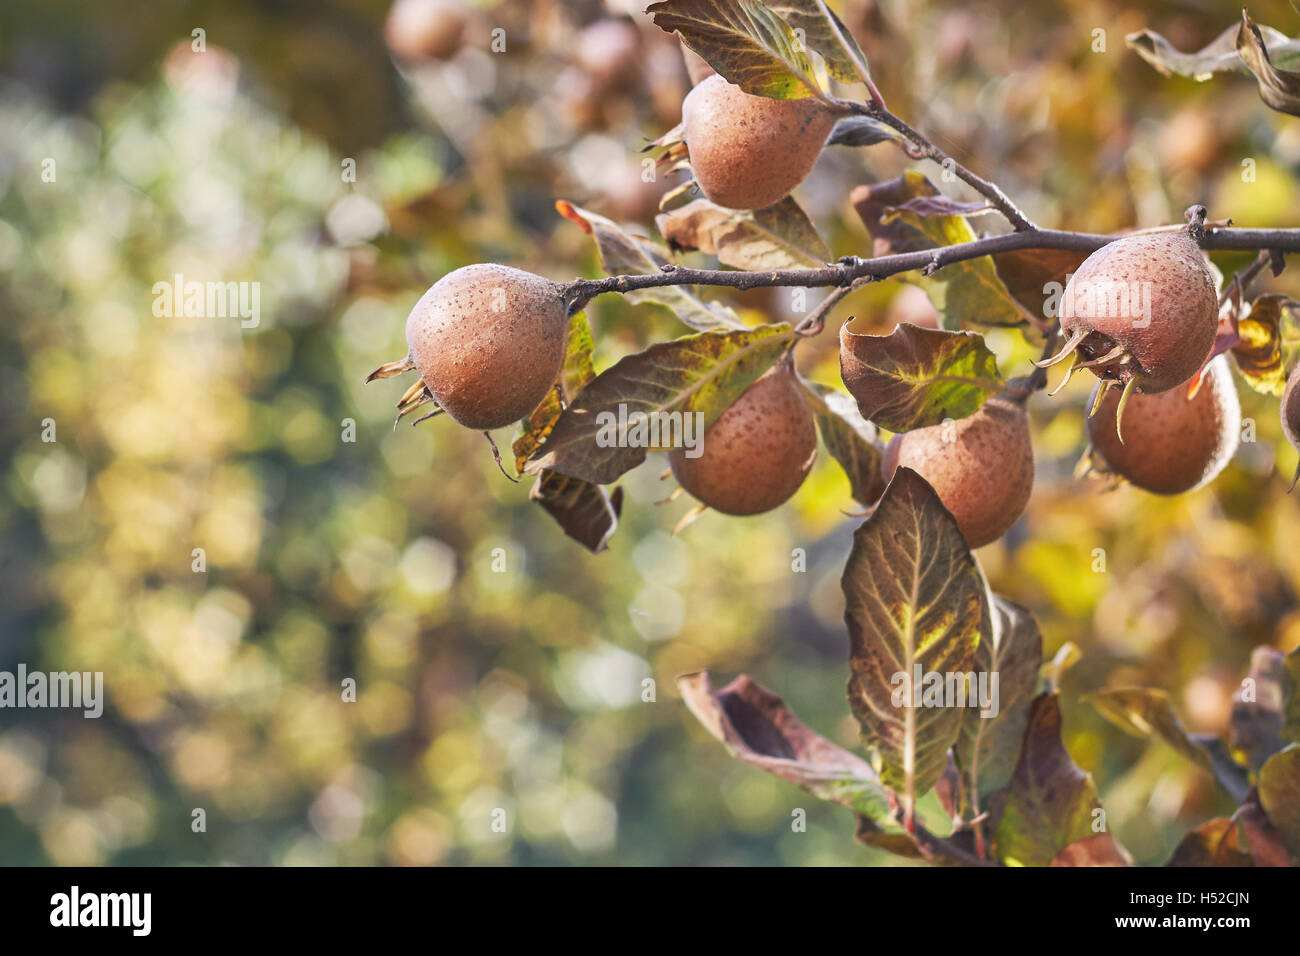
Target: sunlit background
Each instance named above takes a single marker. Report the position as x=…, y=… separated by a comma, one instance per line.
x=498, y=664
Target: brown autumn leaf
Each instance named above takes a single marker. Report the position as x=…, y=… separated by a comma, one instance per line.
x=849, y=438
x=759, y=729
x=701, y=373
x=1215, y=842
x=915, y=377
x=1100, y=849
x=987, y=748
x=586, y=511
x=1279, y=794
x=745, y=41
x=914, y=599
x=1279, y=89
x=1050, y=802
x=1258, y=351
x=780, y=236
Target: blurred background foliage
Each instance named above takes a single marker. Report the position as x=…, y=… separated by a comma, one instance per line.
x=326, y=559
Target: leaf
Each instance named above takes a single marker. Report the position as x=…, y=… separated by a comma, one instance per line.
x=702, y=373
x=914, y=599
x=1232, y=776
x=1100, y=849
x=575, y=373
x=587, y=512
x=624, y=254
x=1279, y=794
x=1050, y=801
x=1258, y=352
x=1255, y=726
x=759, y=729
x=1218, y=55
x=915, y=377
x=987, y=747
x=849, y=439
x=744, y=41
x=825, y=33
x=779, y=236
x=1028, y=274
x=1213, y=843
x=1279, y=89
x=1291, y=711
x=909, y=213
x=871, y=834
x=1147, y=712
x=862, y=131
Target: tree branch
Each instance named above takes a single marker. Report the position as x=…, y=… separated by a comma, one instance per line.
x=851, y=269
x=924, y=149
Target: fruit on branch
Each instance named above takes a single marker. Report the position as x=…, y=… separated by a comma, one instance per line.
x=1290, y=410
x=1171, y=443
x=488, y=341
x=981, y=466
x=425, y=29
x=1141, y=312
x=749, y=151
x=757, y=453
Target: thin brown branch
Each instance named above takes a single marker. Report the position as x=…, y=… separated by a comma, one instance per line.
x=924, y=149
x=849, y=270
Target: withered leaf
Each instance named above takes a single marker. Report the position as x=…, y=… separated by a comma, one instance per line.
x=758, y=728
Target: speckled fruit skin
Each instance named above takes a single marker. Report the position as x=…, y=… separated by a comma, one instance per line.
x=981, y=466
x=1290, y=410
x=1184, y=309
x=757, y=453
x=1171, y=444
x=747, y=151
x=419, y=29
x=488, y=340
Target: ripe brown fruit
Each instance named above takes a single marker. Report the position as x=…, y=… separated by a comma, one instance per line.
x=1171, y=443
x=425, y=29
x=488, y=341
x=1141, y=311
x=748, y=151
x=981, y=466
x=757, y=453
